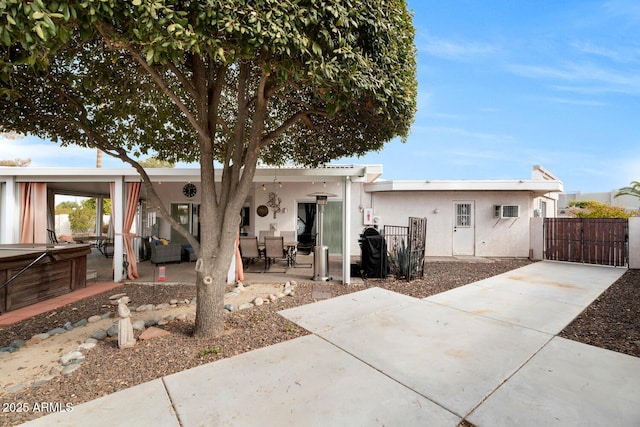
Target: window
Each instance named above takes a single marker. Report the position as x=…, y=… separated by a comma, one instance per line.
x=463, y=214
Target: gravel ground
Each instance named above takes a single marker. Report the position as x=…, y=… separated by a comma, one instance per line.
x=610, y=322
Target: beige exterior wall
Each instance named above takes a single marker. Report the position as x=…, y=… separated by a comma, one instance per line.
x=493, y=236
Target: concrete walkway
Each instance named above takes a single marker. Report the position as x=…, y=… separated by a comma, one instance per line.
x=486, y=352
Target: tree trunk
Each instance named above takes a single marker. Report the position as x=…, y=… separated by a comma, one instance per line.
x=210, y=289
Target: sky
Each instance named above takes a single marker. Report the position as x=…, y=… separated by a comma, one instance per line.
x=502, y=86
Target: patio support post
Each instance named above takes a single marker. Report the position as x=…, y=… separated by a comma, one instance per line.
x=99, y=213
x=9, y=207
x=346, y=234
x=117, y=207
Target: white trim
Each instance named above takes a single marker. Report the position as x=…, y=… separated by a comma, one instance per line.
x=8, y=212
x=117, y=206
x=346, y=232
x=463, y=185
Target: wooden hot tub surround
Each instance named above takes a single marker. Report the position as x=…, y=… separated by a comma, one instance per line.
x=59, y=269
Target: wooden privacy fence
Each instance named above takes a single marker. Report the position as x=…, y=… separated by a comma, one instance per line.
x=588, y=240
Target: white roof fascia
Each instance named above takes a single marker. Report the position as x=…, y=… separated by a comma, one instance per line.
x=536, y=186
x=31, y=174
x=330, y=173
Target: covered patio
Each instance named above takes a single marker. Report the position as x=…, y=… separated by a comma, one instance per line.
x=100, y=270
x=275, y=205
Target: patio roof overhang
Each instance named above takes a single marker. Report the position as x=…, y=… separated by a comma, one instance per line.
x=94, y=182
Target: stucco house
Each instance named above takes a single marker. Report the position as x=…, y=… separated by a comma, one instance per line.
x=475, y=218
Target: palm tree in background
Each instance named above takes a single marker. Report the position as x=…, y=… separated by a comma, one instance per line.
x=632, y=190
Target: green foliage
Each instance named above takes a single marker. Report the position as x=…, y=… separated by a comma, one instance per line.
x=402, y=265
x=82, y=216
x=235, y=81
x=338, y=77
x=214, y=350
x=595, y=209
x=82, y=220
x=91, y=204
x=66, y=207
x=153, y=162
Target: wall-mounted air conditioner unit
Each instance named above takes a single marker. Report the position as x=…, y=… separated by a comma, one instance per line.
x=507, y=211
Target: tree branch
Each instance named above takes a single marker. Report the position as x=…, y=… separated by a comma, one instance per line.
x=106, y=33
x=299, y=116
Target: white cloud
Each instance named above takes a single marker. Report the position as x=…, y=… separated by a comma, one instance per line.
x=457, y=50
x=470, y=134
x=583, y=102
x=629, y=9
x=623, y=54
x=587, y=77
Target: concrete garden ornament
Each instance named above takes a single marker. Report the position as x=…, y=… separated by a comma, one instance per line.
x=125, y=328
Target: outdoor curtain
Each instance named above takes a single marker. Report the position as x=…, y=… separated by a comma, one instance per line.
x=129, y=217
x=239, y=267
x=33, y=212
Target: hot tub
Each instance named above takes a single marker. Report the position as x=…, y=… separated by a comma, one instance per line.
x=59, y=269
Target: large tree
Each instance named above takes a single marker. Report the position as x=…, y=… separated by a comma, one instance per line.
x=224, y=81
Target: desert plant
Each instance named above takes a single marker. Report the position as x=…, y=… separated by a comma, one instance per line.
x=213, y=350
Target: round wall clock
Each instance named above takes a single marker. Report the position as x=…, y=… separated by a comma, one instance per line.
x=262, y=210
x=189, y=190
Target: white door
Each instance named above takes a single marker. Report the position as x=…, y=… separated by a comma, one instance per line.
x=463, y=228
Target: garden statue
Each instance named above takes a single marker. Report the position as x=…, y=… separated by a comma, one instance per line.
x=125, y=328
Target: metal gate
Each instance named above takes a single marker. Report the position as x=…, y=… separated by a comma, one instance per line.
x=406, y=248
x=588, y=240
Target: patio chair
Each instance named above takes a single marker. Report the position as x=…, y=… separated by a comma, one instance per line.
x=288, y=236
x=162, y=254
x=52, y=236
x=249, y=249
x=291, y=246
x=305, y=245
x=263, y=234
x=273, y=250
x=306, y=242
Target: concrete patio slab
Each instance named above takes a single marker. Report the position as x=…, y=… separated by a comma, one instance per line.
x=519, y=309
x=306, y=381
x=381, y=358
x=330, y=313
x=577, y=284
x=567, y=384
x=143, y=405
x=452, y=357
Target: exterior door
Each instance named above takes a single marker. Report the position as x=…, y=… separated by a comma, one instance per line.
x=463, y=228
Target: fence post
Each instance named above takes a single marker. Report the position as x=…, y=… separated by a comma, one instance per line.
x=634, y=242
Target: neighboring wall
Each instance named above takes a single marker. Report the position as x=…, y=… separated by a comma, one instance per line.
x=630, y=203
x=493, y=236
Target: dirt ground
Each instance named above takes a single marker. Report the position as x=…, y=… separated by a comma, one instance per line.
x=35, y=362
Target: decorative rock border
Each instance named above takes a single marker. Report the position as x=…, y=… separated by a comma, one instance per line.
x=72, y=360
x=288, y=289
